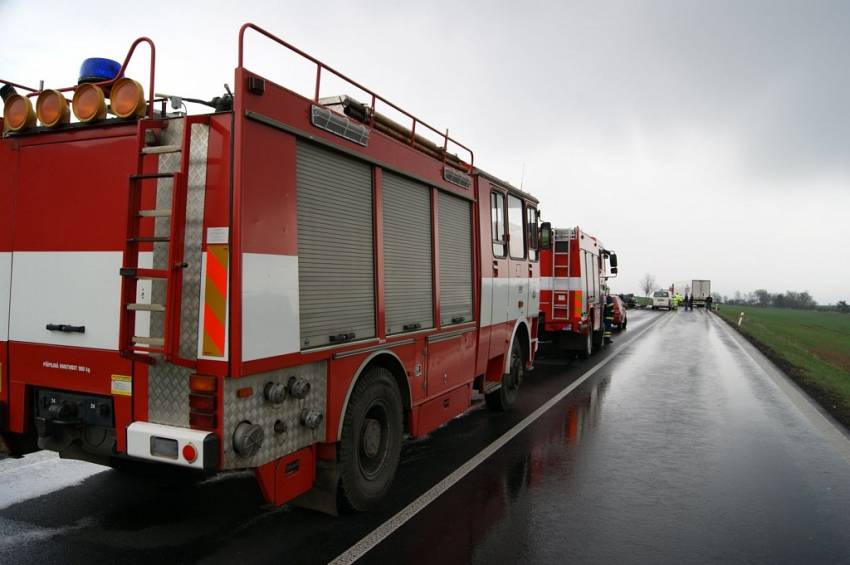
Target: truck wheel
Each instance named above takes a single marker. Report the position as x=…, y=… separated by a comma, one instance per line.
x=588, y=346
x=599, y=339
x=503, y=399
x=18, y=445
x=370, y=446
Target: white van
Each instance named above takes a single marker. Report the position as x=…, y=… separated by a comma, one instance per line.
x=662, y=299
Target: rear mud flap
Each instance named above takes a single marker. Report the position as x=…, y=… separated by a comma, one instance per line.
x=324, y=496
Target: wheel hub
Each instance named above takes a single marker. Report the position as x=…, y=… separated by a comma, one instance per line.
x=371, y=437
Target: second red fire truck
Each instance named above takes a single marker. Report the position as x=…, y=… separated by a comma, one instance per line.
x=573, y=289
x=288, y=284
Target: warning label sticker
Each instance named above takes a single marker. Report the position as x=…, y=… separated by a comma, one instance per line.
x=122, y=385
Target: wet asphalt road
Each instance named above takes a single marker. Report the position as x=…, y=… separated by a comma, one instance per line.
x=684, y=447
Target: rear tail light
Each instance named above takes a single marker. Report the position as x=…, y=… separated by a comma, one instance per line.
x=89, y=103
x=203, y=402
x=52, y=108
x=18, y=113
x=201, y=383
x=201, y=421
x=127, y=98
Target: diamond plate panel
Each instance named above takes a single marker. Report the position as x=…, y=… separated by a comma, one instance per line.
x=257, y=410
x=191, y=292
x=191, y=299
x=168, y=385
x=168, y=395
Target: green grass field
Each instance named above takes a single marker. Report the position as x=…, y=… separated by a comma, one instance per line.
x=814, y=347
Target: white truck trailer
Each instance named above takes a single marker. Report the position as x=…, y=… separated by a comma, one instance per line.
x=700, y=290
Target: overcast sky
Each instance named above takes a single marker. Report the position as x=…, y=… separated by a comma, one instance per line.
x=697, y=139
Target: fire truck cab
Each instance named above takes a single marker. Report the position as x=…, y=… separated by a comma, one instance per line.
x=288, y=284
x=574, y=268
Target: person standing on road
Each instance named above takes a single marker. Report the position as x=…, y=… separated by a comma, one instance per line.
x=608, y=316
x=708, y=301
x=691, y=302
x=685, y=301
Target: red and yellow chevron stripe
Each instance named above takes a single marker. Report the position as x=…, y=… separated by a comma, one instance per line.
x=215, y=300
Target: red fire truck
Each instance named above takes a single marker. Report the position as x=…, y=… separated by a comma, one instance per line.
x=573, y=289
x=286, y=284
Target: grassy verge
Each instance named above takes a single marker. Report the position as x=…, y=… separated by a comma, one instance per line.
x=812, y=347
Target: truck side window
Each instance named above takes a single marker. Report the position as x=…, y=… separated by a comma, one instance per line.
x=532, y=233
x=497, y=214
x=515, y=228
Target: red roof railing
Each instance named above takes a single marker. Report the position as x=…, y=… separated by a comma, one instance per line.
x=321, y=67
x=35, y=91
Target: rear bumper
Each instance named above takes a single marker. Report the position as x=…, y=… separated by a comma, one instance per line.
x=145, y=441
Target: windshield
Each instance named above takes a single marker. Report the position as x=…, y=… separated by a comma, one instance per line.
x=661, y=294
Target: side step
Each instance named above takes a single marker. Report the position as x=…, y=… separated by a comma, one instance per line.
x=146, y=307
x=158, y=213
x=160, y=149
x=149, y=340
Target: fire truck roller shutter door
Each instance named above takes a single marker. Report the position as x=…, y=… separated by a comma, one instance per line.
x=455, y=240
x=335, y=246
x=407, y=254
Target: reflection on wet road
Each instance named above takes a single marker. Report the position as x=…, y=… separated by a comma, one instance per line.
x=679, y=449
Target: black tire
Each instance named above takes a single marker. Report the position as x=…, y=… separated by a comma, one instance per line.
x=503, y=399
x=623, y=325
x=599, y=339
x=588, y=347
x=19, y=445
x=370, y=446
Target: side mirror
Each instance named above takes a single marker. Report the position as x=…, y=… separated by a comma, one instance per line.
x=613, y=261
x=545, y=235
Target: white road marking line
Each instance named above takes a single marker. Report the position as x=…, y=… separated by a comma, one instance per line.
x=377, y=535
x=833, y=431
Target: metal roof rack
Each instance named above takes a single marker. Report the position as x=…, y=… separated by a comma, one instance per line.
x=368, y=113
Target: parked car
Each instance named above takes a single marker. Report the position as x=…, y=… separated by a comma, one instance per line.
x=620, y=317
x=629, y=300
x=662, y=299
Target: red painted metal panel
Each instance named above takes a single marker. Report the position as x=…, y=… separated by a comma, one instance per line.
x=239, y=125
x=66, y=368
x=268, y=198
x=72, y=369
x=440, y=410
x=283, y=479
x=8, y=166
x=451, y=362
x=69, y=184
x=217, y=196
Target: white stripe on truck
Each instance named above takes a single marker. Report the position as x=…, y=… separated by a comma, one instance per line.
x=77, y=288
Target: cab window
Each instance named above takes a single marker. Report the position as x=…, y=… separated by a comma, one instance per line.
x=532, y=232
x=516, y=238
x=497, y=221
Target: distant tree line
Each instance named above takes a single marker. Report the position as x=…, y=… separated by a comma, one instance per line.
x=789, y=299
